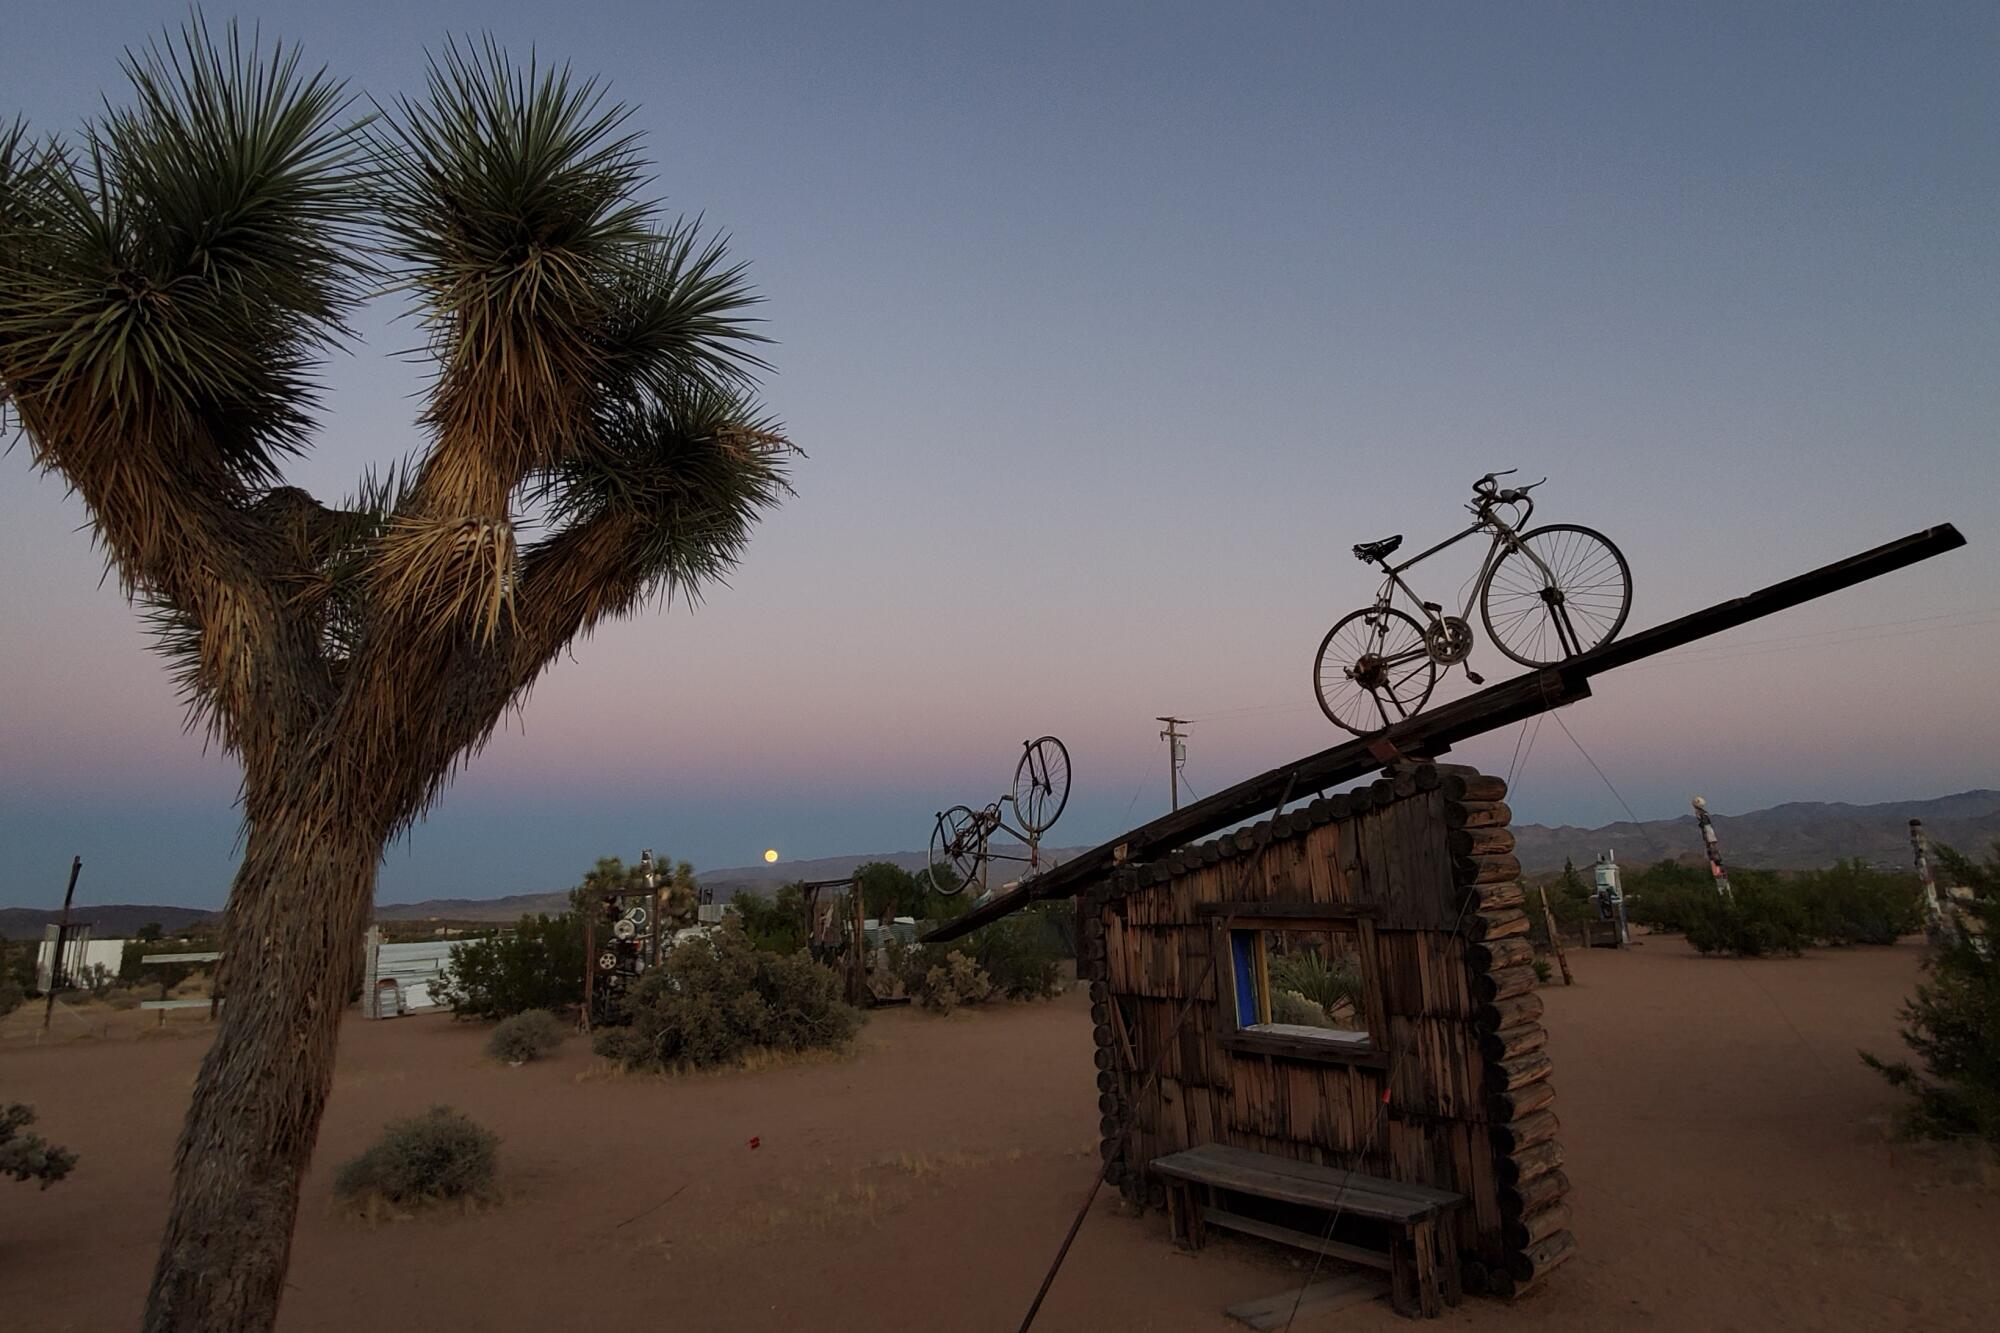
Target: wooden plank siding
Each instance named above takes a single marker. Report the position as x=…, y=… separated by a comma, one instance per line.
x=1423, y=858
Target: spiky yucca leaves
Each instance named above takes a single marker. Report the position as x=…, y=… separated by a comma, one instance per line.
x=165, y=289
x=180, y=274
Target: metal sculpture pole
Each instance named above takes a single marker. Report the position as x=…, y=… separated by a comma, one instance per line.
x=1920, y=843
x=1714, y=852
x=653, y=904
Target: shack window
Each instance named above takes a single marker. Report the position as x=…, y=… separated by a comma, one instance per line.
x=1303, y=981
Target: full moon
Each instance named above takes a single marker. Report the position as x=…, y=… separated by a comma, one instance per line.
x=771, y=854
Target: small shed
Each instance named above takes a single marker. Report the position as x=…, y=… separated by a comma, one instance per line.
x=1348, y=985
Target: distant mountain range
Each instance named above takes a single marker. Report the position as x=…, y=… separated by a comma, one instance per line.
x=1795, y=836
x=108, y=921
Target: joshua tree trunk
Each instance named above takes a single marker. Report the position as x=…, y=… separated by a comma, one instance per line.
x=164, y=299
x=292, y=938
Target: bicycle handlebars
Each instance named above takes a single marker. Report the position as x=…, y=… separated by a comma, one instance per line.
x=1487, y=491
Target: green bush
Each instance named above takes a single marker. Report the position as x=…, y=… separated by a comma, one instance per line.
x=436, y=1157
x=26, y=1156
x=1668, y=895
x=776, y=925
x=1022, y=953
x=1849, y=903
x=1760, y=918
x=1953, y=1025
x=717, y=997
x=538, y=966
x=526, y=1036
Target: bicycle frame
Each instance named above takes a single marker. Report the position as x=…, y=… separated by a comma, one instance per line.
x=1505, y=538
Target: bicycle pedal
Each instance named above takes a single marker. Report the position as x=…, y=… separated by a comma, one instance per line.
x=1474, y=677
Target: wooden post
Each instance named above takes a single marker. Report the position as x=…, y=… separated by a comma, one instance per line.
x=1555, y=937
x=62, y=931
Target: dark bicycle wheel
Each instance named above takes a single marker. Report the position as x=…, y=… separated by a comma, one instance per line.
x=1041, y=784
x=1373, y=669
x=1557, y=592
x=955, y=850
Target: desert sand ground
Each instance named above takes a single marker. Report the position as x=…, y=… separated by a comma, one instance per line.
x=1730, y=1158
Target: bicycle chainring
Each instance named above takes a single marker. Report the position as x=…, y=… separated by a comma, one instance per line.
x=1448, y=640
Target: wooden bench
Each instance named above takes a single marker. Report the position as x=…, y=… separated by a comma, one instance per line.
x=1422, y=1255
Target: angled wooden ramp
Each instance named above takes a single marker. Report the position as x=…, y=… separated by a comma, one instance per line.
x=1432, y=733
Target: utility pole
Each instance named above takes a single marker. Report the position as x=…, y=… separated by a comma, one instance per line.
x=1714, y=852
x=1933, y=910
x=1176, y=753
x=62, y=935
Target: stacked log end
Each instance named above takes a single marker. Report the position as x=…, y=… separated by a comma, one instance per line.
x=1094, y=971
x=1520, y=1100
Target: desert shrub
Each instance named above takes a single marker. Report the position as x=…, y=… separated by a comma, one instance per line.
x=1288, y=1006
x=1022, y=954
x=717, y=997
x=1850, y=903
x=436, y=1157
x=538, y=966
x=1327, y=984
x=1543, y=971
x=123, y=997
x=950, y=982
x=26, y=1156
x=1953, y=1024
x=526, y=1036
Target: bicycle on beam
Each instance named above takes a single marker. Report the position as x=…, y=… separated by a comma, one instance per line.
x=1545, y=595
x=961, y=840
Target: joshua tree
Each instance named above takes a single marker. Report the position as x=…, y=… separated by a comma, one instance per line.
x=168, y=280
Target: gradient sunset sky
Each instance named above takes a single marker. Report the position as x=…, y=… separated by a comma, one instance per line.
x=1108, y=329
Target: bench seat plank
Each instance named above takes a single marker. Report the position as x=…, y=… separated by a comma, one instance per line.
x=1306, y=1183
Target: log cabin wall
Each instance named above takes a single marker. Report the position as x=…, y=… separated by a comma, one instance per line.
x=1419, y=867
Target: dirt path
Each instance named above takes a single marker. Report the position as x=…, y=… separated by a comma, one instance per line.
x=1725, y=1144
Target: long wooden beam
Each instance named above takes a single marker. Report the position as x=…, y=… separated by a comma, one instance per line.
x=1435, y=732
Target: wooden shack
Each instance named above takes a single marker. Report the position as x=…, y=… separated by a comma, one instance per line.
x=1408, y=892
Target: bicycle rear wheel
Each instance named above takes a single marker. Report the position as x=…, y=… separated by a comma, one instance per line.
x=955, y=849
x=1041, y=784
x=1559, y=591
x=1373, y=669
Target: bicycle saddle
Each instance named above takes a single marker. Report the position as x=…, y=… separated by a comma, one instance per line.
x=1382, y=550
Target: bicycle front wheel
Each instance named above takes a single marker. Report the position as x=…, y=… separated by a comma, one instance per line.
x=1373, y=669
x=1041, y=784
x=955, y=849
x=1557, y=592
